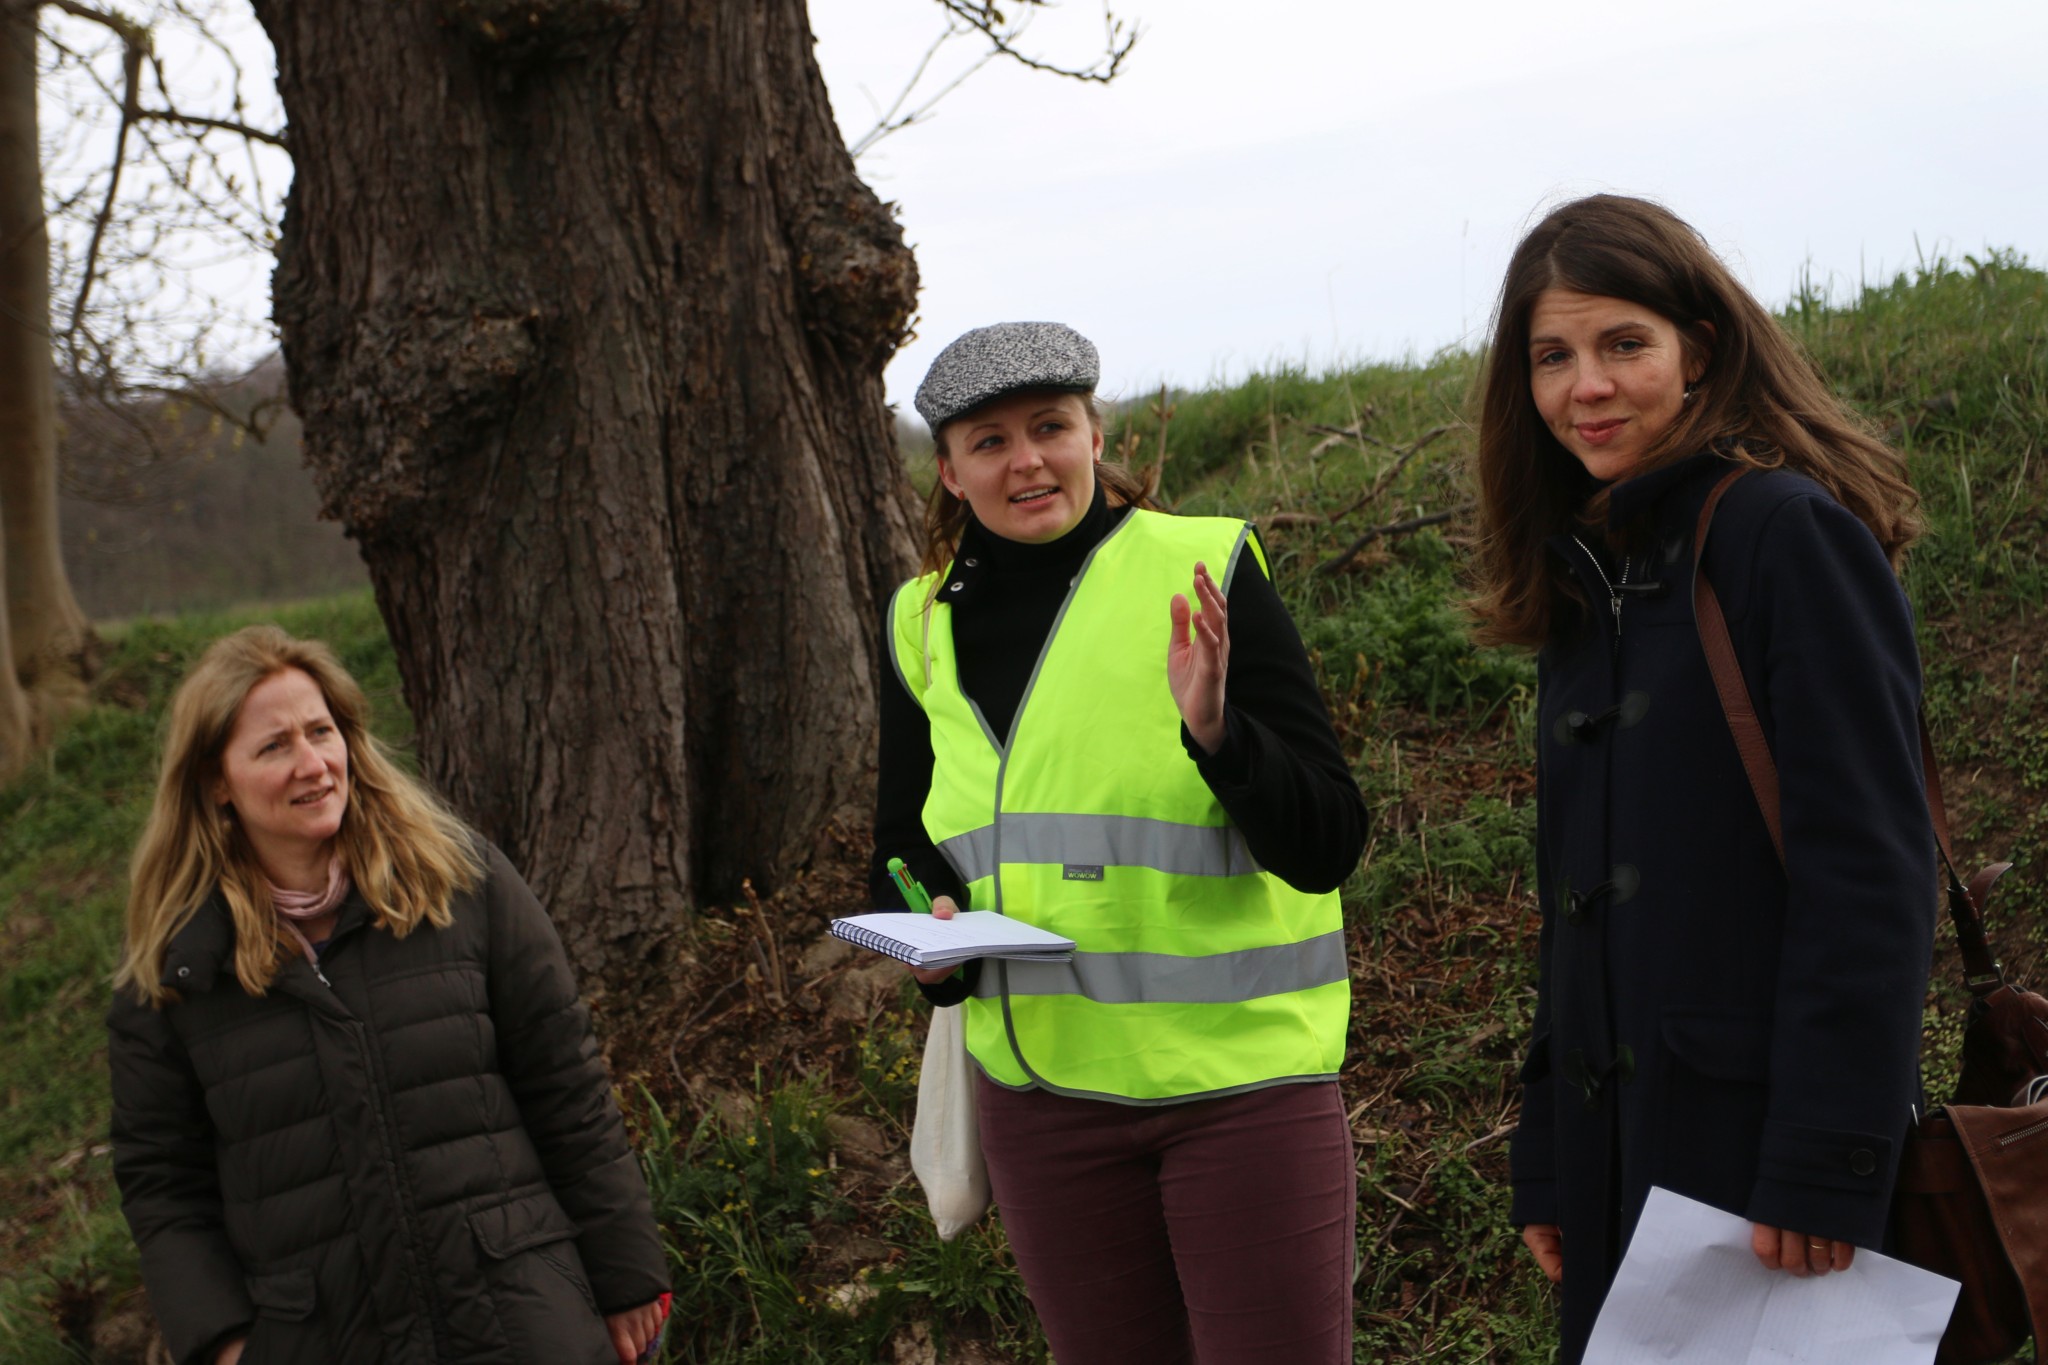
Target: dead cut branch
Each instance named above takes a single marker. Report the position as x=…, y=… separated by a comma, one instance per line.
x=1390, y=473
x=771, y=965
x=1392, y=528
x=1336, y=436
x=1150, y=475
x=1379, y=485
x=1294, y=519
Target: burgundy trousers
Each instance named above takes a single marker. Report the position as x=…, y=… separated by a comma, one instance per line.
x=1216, y=1232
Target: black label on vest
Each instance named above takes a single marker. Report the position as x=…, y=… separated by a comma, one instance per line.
x=1081, y=872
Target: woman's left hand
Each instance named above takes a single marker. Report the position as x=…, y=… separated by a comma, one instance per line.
x=633, y=1329
x=1780, y=1249
x=1197, y=659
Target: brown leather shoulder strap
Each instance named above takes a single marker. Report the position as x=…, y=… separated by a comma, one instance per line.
x=1728, y=680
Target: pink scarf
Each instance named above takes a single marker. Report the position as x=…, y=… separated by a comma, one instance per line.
x=296, y=907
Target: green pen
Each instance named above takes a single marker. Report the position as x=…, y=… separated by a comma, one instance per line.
x=913, y=894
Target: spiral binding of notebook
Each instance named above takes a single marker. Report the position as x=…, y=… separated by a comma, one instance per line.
x=878, y=943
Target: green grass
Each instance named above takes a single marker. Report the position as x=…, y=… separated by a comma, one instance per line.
x=787, y=1249
x=748, y=1200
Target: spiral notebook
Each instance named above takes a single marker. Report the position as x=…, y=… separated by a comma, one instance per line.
x=924, y=941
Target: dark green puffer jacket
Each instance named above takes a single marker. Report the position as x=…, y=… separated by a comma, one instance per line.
x=414, y=1160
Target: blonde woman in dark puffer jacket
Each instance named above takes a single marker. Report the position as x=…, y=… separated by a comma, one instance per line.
x=359, y=1116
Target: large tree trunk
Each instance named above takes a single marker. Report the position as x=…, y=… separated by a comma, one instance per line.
x=585, y=311
x=51, y=645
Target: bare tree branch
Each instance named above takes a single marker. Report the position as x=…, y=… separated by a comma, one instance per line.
x=891, y=120
x=986, y=19
x=131, y=32
x=1003, y=33
x=224, y=125
x=146, y=199
x=135, y=45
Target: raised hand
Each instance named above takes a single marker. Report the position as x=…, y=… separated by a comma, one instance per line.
x=1197, y=657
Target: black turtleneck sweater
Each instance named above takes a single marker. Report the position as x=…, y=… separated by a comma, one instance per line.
x=1279, y=774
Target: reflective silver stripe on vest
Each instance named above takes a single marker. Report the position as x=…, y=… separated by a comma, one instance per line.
x=1162, y=978
x=1102, y=841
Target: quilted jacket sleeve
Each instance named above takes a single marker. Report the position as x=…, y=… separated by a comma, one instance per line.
x=164, y=1163
x=550, y=1059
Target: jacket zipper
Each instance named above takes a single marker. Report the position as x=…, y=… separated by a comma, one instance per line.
x=380, y=1092
x=380, y=1095
x=1613, y=591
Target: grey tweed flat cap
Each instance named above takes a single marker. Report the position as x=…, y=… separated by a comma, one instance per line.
x=991, y=361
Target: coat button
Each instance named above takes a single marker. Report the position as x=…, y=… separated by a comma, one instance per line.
x=184, y=972
x=1863, y=1161
x=955, y=587
x=971, y=562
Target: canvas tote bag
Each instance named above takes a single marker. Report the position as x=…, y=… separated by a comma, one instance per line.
x=945, y=1140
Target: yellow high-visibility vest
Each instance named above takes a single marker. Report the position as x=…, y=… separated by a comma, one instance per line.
x=1195, y=973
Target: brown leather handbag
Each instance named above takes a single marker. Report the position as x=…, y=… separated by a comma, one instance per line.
x=1972, y=1196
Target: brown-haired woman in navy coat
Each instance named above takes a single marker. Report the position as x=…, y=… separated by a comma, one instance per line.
x=1710, y=1020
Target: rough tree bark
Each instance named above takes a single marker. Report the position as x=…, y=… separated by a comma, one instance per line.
x=585, y=311
x=47, y=640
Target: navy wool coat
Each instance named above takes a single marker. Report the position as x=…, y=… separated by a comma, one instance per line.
x=1736, y=1031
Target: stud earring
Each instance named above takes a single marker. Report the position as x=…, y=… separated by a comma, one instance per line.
x=1692, y=391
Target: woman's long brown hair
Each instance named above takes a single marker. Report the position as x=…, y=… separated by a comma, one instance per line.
x=1760, y=400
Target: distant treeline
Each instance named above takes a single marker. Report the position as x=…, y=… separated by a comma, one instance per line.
x=169, y=507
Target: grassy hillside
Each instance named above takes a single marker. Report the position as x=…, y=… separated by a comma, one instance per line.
x=772, y=1079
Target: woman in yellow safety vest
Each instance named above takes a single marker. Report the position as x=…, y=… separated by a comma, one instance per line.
x=1160, y=1116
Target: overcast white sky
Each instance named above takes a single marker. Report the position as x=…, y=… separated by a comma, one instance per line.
x=1302, y=181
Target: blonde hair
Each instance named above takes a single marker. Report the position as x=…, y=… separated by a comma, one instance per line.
x=406, y=852
x=945, y=516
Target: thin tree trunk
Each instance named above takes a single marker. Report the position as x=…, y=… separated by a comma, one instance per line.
x=16, y=731
x=585, y=311
x=51, y=643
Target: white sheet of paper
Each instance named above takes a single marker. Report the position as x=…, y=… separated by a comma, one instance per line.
x=1690, y=1290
